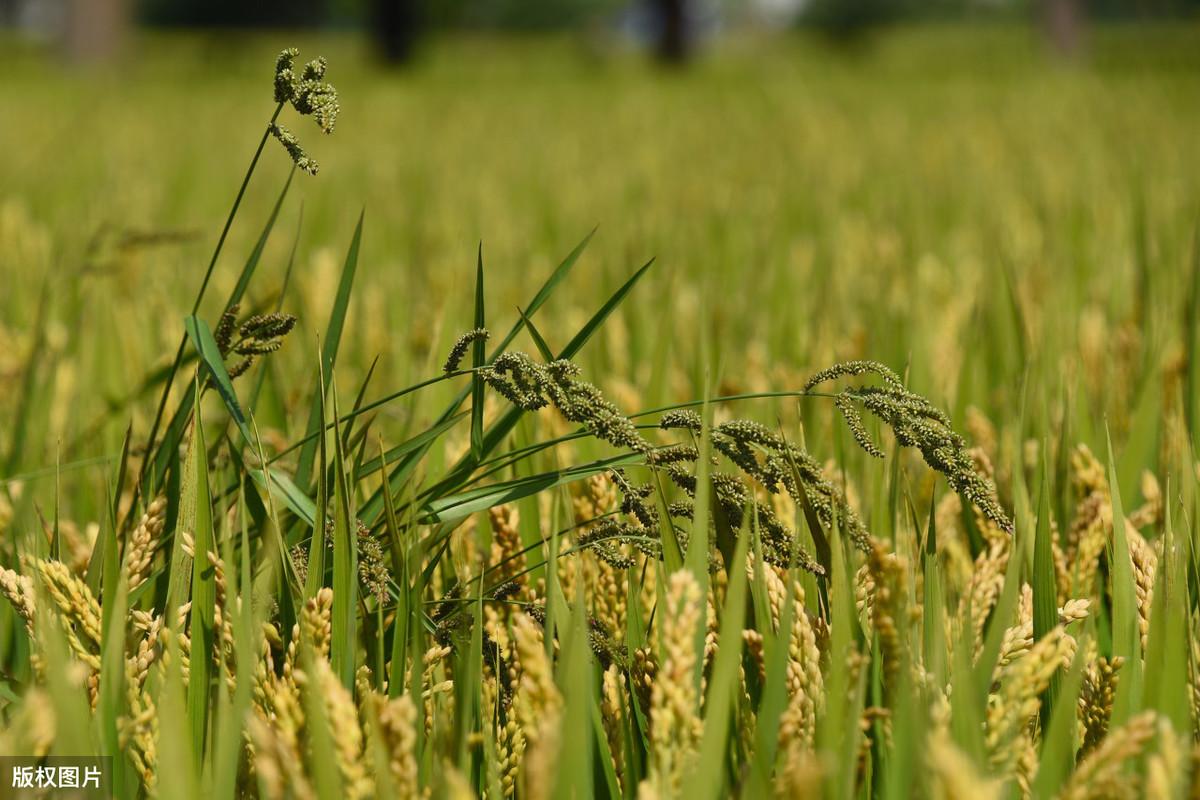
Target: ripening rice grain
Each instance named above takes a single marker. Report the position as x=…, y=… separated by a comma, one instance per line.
x=675, y=725
x=954, y=775
x=538, y=707
x=1016, y=703
x=1102, y=772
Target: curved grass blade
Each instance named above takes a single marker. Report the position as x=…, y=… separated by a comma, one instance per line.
x=210, y=354
x=539, y=342
x=456, y=507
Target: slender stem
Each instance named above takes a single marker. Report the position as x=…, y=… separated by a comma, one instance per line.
x=212, y=263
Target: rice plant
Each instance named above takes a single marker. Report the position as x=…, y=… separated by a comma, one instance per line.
x=540, y=593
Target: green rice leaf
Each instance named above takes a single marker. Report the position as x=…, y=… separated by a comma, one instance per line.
x=196, y=519
x=1126, y=640
x=206, y=347
x=1045, y=586
x=477, y=360
x=459, y=506
x=329, y=353
x=344, y=646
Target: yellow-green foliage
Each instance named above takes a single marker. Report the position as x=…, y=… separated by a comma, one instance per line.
x=920, y=289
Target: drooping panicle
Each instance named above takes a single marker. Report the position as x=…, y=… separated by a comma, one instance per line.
x=290, y=143
x=461, y=345
x=310, y=96
x=918, y=423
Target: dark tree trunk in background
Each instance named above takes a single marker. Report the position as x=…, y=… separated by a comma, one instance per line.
x=8, y=12
x=397, y=25
x=673, y=44
x=1062, y=21
x=94, y=30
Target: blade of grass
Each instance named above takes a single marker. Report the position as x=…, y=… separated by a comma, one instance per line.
x=477, y=359
x=1058, y=742
x=543, y=349
x=210, y=354
x=343, y=648
x=1126, y=640
x=196, y=518
x=333, y=338
x=933, y=609
x=459, y=506
x=708, y=779
x=1045, y=586
x=574, y=778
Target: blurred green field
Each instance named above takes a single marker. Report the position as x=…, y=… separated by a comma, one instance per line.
x=909, y=201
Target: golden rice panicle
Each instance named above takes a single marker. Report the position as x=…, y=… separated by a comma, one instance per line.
x=345, y=728
x=610, y=598
x=508, y=552
x=1145, y=563
x=643, y=672
x=21, y=593
x=598, y=497
x=33, y=728
x=776, y=587
x=1017, y=701
x=982, y=592
x=953, y=775
x=888, y=573
x=431, y=688
x=612, y=712
x=867, y=734
x=397, y=726
x=510, y=754
x=801, y=773
x=77, y=608
x=455, y=785
x=675, y=725
x=1151, y=511
x=1166, y=770
x=1096, y=700
x=864, y=591
x=1087, y=539
x=982, y=432
x=1102, y=772
x=277, y=762
x=138, y=731
x=316, y=622
x=143, y=542
x=1019, y=638
x=805, y=683
x=538, y=707
x=1087, y=472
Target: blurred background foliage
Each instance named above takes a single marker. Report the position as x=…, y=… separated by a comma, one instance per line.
x=957, y=195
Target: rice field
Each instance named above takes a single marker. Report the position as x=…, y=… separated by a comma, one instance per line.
x=805, y=423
